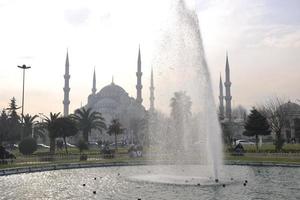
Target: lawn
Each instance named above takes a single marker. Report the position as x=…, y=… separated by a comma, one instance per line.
x=270, y=148
x=42, y=157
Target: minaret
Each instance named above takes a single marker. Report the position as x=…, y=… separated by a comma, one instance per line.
x=139, y=80
x=152, y=93
x=228, y=96
x=221, y=99
x=66, y=101
x=94, y=89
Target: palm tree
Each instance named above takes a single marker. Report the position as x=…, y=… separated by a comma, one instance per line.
x=181, y=105
x=64, y=127
x=48, y=125
x=115, y=127
x=180, y=114
x=87, y=120
x=29, y=122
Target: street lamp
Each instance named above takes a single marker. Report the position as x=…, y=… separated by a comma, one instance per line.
x=24, y=67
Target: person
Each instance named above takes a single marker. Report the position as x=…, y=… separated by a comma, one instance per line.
x=239, y=149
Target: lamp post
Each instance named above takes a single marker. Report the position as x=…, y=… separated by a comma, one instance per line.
x=24, y=67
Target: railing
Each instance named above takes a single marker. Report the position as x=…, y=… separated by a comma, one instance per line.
x=60, y=158
x=57, y=158
x=263, y=154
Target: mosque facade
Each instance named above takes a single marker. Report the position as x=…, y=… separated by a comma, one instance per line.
x=113, y=102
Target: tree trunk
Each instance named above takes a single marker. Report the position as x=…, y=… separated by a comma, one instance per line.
x=86, y=136
x=52, y=145
x=65, y=145
x=116, y=146
x=279, y=141
x=256, y=142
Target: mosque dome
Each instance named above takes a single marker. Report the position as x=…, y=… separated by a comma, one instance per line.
x=112, y=91
x=107, y=103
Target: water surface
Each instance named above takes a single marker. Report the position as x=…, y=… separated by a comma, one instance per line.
x=116, y=183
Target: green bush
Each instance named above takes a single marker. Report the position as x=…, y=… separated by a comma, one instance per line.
x=83, y=157
x=27, y=146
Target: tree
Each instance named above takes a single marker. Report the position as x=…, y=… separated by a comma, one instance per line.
x=115, y=128
x=276, y=115
x=29, y=122
x=181, y=105
x=256, y=125
x=239, y=112
x=64, y=127
x=13, y=110
x=228, y=132
x=39, y=131
x=144, y=130
x=47, y=125
x=180, y=113
x=140, y=128
x=27, y=146
x=14, y=122
x=82, y=145
x=87, y=120
x=4, y=126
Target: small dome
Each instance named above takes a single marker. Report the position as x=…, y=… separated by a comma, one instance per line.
x=291, y=108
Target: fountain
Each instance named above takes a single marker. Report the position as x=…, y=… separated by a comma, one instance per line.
x=191, y=135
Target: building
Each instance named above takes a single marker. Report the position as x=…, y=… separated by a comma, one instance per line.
x=112, y=101
x=227, y=117
x=225, y=113
x=291, y=111
x=291, y=130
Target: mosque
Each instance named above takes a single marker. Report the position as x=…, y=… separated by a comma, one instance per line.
x=113, y=102
x=290, y=131
x=225, y=113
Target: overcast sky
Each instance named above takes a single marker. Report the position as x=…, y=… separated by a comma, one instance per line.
x=262, y=38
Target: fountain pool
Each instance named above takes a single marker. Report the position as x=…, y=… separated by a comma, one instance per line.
x=131, y=182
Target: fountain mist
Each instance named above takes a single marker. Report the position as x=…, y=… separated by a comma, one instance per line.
x=185, y=137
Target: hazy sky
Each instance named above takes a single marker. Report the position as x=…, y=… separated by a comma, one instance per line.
x=262, y=38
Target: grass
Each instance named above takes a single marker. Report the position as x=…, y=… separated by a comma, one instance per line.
x=270, y=148
x=94, y=156
x=265, y=159
x=119, y=159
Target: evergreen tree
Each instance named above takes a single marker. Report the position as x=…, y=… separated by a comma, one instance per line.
x=4, y=126
x=256, y=125
x=14, y=122
x=13, y=110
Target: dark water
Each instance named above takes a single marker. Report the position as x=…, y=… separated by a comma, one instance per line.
x=116, y=183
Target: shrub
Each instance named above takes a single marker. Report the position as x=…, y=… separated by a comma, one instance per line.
x=83, y=157
x=45, y=156
x=59, y=144
x=27, y=146
x=108, y=153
